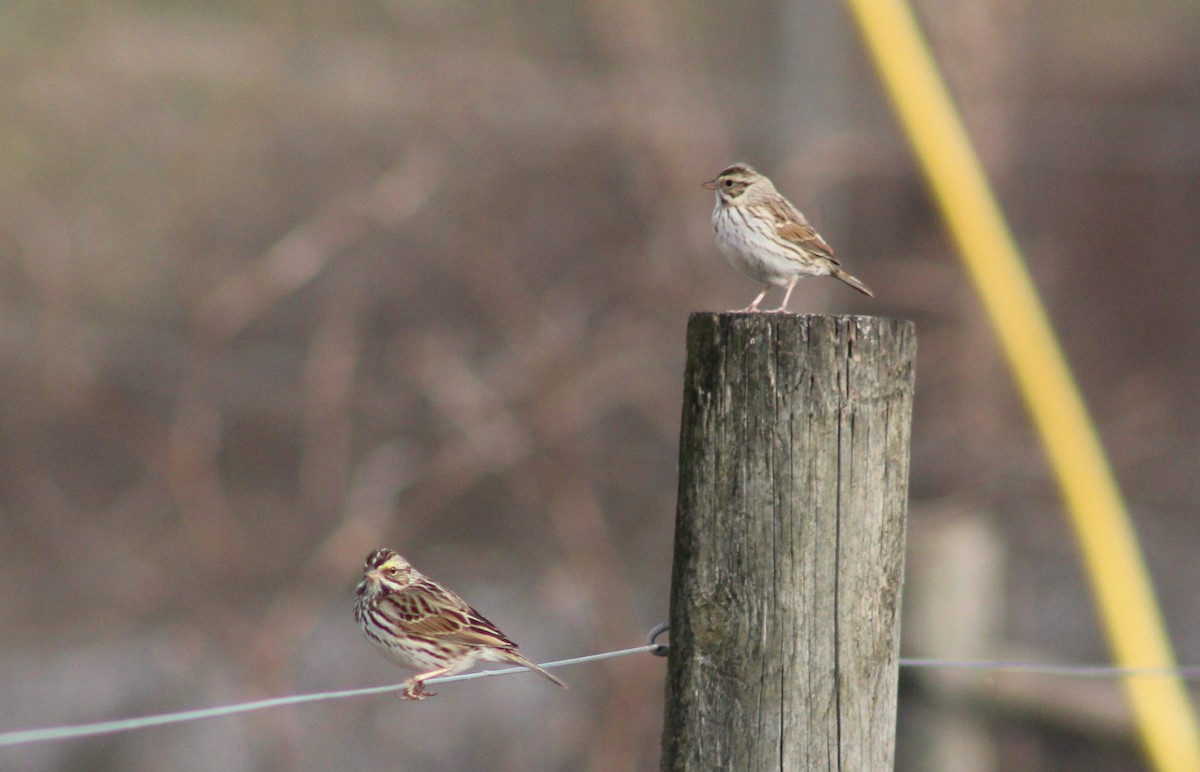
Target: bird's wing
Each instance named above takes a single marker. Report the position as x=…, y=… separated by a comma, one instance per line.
x=791, y=225
x=430, y=610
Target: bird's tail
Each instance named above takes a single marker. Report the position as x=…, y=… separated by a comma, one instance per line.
x=853, y=282
x=517, y=659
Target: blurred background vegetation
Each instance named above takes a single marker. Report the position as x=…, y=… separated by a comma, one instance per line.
x=282, y=283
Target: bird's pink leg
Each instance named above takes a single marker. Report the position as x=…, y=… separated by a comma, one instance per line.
x=753, y=307
x=414, y=688
x=788, y=294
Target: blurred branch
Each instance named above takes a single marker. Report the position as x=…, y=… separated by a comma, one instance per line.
x=309, y=247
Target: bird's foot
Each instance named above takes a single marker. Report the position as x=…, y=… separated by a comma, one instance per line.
x=415, y=690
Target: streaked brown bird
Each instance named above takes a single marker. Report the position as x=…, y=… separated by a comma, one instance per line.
x=419, y=624
x=765, y=237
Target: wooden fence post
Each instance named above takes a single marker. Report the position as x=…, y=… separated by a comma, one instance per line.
x=789, y=543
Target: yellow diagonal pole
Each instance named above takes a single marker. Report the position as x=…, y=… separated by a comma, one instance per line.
x=1121, y=586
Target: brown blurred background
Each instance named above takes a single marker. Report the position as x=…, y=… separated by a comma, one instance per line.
x=282, y=283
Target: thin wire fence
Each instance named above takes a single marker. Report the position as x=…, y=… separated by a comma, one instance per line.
x=1066, y=670
x=50, y=734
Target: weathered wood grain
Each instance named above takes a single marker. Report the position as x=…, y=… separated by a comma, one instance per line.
x=789, y=543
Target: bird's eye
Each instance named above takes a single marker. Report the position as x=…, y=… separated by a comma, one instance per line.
x=393, y=571
x=729, y=183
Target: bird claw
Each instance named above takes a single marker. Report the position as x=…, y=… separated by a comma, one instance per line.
x=416, y=691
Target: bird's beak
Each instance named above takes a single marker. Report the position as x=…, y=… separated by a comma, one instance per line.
x=710, y=185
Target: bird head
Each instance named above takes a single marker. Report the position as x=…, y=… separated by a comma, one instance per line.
x=733, y=183
x=385, y=570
